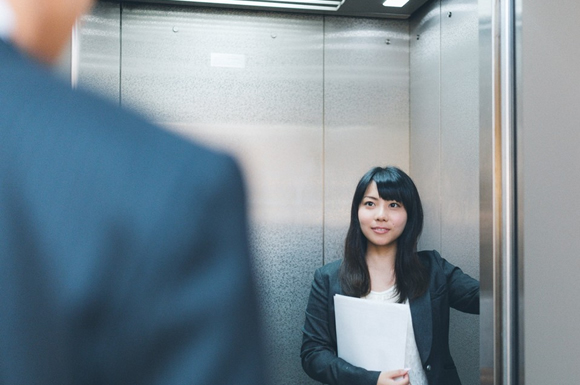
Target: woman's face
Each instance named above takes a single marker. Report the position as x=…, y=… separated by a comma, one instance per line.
x=381, y=221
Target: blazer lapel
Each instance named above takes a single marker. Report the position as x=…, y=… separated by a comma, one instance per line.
x=421, y=315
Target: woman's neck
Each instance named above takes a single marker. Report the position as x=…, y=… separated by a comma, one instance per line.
x=381, y=265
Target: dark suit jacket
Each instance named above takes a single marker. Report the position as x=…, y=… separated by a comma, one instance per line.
x=123, y=248
x=448, y=287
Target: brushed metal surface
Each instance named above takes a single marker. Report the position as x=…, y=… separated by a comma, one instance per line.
x=445, y=146
x=308, y=104
x=488, y=338
x=259, y=96
x=366, y=112
x=425, y=109
x=509, y=306
x=460, y=165
x=99, y=56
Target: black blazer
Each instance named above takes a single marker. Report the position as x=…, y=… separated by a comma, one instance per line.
x=448, y=287
x=123, y=248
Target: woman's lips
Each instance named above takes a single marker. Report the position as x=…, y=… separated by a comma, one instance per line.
x=380, y=230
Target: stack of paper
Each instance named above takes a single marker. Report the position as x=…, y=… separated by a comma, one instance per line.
x=371, y=334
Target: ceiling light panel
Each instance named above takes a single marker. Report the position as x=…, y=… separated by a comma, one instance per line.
x=395, y=3
x=314, y=5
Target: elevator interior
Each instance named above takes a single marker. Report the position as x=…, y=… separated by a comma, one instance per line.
x=308, y=103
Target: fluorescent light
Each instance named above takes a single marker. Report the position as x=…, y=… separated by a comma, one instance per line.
x=395, y=3
x=317, y=5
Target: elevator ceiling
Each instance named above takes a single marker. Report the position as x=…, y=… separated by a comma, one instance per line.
x=353, y=8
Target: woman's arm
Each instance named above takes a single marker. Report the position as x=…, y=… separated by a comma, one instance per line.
x=318, y=353
x=463, y=289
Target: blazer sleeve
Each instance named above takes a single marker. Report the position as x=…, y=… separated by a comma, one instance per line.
x=463, y=290
x=319, y=352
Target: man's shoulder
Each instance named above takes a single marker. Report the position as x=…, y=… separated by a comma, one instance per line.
x=38, y=100
x=95, y=142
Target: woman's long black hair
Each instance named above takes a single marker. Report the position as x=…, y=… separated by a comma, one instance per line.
x=410, y=275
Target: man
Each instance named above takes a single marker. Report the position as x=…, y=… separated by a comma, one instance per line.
x=123, y=249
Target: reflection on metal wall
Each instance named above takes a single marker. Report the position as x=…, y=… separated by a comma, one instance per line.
x=425, y=109
x=444, y=149
x=98, y=50
x=250, y=83
x=366, y=112
x=460, y=164
x=307, y=103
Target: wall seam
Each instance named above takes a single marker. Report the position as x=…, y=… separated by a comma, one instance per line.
x=440, y=133
x=323, y=141
x=120, y=54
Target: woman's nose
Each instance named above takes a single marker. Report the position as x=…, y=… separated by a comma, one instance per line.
x=381, y=214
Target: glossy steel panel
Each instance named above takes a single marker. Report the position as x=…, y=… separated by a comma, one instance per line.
x=96, y=50
x=250, y=83
x=501, y=278
x=509, y=277
x=488, y=337
x=460, y=165
x=366, y=112
x=444, y=149
x=425, y=149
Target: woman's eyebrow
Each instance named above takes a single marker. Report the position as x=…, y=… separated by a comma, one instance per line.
x=371, y=197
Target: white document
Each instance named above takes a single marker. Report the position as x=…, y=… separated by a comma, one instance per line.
x=371, y=334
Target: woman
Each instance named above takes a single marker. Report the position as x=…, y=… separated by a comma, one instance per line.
x=381, y=262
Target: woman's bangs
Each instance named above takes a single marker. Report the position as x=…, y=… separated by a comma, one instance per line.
x=391, y=191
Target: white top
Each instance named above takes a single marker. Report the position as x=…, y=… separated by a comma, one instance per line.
x=412, y=359
x=7, y=20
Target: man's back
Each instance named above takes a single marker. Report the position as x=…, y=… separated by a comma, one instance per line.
x=123, y=249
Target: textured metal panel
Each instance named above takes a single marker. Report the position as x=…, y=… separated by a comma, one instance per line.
x=460, y=165
x=444, y=149
x=250, y=83
x=486, y=176
x=366, y=112
x=425, y=148
x=99, y=50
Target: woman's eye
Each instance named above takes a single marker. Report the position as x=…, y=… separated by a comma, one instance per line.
x=395, y=204
x=370, y=204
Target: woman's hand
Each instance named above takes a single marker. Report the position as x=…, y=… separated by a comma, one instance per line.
x=394, y=377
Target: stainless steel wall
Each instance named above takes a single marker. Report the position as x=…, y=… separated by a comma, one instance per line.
x=250, y=83
x=96, y=51
x=445, y=147
x=307, y=103
x=366, y=111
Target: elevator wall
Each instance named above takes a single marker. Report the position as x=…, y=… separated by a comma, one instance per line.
x=308, y=104
x=444, y=149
